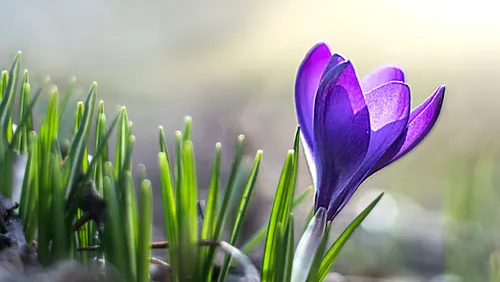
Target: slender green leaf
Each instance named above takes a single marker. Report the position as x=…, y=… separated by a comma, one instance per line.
x=188, y=124
x=8, y=96
x=210, y=219
x=122, y=142
x=145, y=231
x=31, y=199
x=260, y=235
x=114, y=242
x=60, y=244
x=277, y=218
x=170, y=213
x=188, y=212
x=289, y=251
x=72, y=167
x=334, y=250
x=241, y=211
x=26, y=121
x=230, y=185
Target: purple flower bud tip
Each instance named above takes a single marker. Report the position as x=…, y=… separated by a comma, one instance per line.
x=350, y=127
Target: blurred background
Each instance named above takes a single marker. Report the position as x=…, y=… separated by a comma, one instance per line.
x=231, y=65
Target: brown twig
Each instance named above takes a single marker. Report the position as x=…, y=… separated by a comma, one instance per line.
x=160, y=262
x=157, y=245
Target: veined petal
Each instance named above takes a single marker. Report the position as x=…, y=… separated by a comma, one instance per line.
x=421, y=121
x=389, y=109
x=381, y=76
x=306, y=85
x=334, y=60
x=341, y=130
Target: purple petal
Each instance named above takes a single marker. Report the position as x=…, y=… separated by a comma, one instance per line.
x=389, y=109
x=381, y=76
x=341, y=130
x=334, y=60
x=421, y=121
x=306, y=85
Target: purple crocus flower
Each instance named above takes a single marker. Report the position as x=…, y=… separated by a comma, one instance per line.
x=352, y=128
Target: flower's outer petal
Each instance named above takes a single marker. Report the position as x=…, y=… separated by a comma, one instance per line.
x=341, y=130
x=308, y=246
x=389, y=109
x=421, y=121
x=381, y=76
x=334, y=60
x=306, y=85
x=311, y=163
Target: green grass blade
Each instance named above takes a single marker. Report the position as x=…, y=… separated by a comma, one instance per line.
x=8, y=96
x=52, y=121
x=334, y=250
x=97, y=141
x=122, y=140
x=24, y=101
x=241, y=211
x=188, y=213
x=44, y=192
x=188, y=124
x=145, y=231
x=72, y=167
x=101, y=156
x=170, y=213
x=113, y=242
x=260, y=235
x=163, y=143
x=48, y=146
x=80, y=109
x=276, y=218
x=26, y=121
x=129, y=210
x=230, y=185
x=210, y=219
x=30, y=220
x=60, y=246
x=223, y=210
x=3, y=83
x=289, y=251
